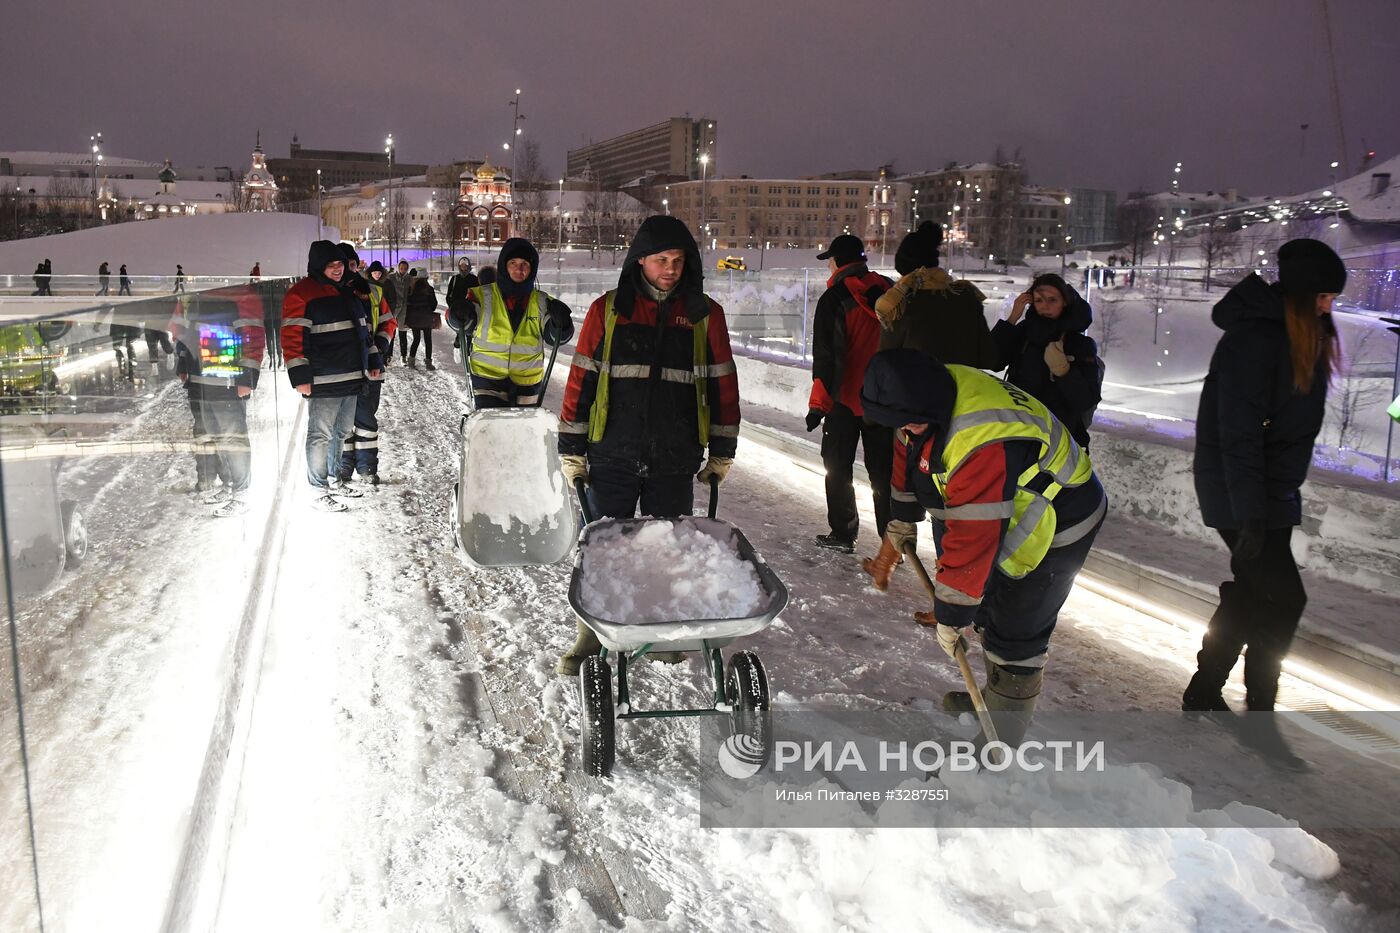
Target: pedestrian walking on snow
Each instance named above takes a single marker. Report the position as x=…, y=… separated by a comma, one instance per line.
x=652, y=387
x=104, y=278
x=123, y=281
x=1262, y=405
x=422, y=317
x=401, y=281
x=846, y=334
x=330, y=354
x=179, y=278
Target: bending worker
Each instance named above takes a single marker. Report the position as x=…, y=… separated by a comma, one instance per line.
x=1015, y=507
x=508, y=323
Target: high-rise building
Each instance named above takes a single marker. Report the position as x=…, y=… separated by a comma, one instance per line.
x=679, y=146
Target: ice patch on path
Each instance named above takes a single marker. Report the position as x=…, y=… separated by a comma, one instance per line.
x=660, y=571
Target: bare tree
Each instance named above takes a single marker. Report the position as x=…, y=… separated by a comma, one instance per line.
x=531, y=201
x=1137, y=219
x=1107, y=316
x=1218, y=244
x=1357, y=395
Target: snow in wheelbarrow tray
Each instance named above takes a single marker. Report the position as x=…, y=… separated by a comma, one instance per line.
x=663, y=581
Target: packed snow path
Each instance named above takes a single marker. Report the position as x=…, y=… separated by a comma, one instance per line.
x=413, y=761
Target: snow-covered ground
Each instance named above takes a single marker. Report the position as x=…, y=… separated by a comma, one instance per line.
x=412, y=761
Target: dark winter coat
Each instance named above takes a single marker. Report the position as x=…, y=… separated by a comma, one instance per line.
x=457, y=288
x=1254, y=430
x=326, y=341
x=652, y=415
x=422, y=306
x=845, y=335
x=1072, y=397
x=930, y=311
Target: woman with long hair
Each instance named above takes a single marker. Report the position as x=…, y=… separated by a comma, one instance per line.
x=1262, y=406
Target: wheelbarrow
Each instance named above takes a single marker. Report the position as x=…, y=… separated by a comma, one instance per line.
x=510, y=504
x=741, y=693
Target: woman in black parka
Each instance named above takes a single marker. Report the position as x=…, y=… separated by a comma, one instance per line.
x=1262, y=406
x=1049, y=355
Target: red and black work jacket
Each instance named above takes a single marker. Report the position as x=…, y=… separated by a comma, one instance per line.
x=326, y=339
x=653, y=412
x=968, y=546
x=219, y=340
x=846, y=334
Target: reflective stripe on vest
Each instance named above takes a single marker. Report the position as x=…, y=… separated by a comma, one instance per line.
x=498, y=352
x=376, y=295
x=989, y=411
x=699, y=374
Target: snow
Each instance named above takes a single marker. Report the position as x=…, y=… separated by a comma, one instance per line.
x=661, y=571
x=216, y=244
x=508, y=472
x=413, y=760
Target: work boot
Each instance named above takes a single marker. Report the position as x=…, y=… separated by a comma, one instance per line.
x=835, y=542
x=1260, y=734
x=585, y=645
x=412, y=362
x=1010, y=696
x=1204, y=695
x=881, y=566
x=428, y=364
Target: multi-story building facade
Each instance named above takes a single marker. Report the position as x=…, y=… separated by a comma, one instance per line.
x=793, y=213
x=679, y=146
x=297, y=172
x=1093, y=216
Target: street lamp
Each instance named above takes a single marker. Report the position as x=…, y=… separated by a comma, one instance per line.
x=665, y=206
x=389, y=151
x=96, y=140
x=559, y=247
x=704, y=204
x=516, y=117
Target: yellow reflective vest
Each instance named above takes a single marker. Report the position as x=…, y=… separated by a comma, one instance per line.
x=498, y=351
x=990, y=411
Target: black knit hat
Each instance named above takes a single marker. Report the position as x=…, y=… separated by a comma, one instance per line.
x=321, y=254
x=516, y=248
x=905, y=386
x=348, y=251
x=919, y=249
x=1310, y=267
x=376, y=266
x=658, y=234
x=845, y=249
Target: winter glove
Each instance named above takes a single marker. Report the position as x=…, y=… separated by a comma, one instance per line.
x=814, y=418
x=560, y=325
x=948, y=639
x=718, y=467
x=1249, y=543
x=1055, y=358
x=898, y=532
x=575, y=467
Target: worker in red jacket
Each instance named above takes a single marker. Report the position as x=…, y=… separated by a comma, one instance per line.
x=651, y=390
x=846, y=335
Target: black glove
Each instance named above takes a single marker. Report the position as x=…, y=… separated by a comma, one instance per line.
x=1249, y=542
x=560, y=324
x=382, y=344
x=462, y=318
x=814, y=418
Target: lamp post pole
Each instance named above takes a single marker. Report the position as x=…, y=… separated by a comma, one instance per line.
x=389, y=151
x=559, y=249
x=96, y=140
x=516, y=117
x=704, y=202
x=318, y=204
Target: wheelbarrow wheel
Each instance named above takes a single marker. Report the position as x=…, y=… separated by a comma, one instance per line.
x=596, y=704
x=750, y=715
x=75, y=536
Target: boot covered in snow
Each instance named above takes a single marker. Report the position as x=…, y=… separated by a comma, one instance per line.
x=585, y=645
x=881, y=566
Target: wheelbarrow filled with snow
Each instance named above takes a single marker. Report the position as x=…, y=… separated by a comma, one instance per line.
x=510, y=504
x=672, y=584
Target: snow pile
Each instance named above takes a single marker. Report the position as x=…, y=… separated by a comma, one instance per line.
x=510, y=474
x=660, y=571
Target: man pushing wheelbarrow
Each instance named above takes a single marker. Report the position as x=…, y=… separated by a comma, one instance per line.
x=651, y=388
x=1015, y=507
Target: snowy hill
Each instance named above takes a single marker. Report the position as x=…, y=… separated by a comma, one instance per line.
x=220, y=244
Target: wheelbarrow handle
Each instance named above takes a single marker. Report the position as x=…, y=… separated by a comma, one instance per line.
x=549, y=368
x=582, y=490
x=959, y=651
x=714, y=495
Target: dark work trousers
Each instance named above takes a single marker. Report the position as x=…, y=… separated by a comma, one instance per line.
x=220, y=437
x=425, y=334
x=616, y=488
x=403, y=343
x=1260, y=608
x=842, y=430
x=1017, y=617
x=500, y=393
x=362, y=447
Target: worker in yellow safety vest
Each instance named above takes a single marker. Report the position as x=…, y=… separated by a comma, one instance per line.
x=507, y=325
x=1015, y=507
